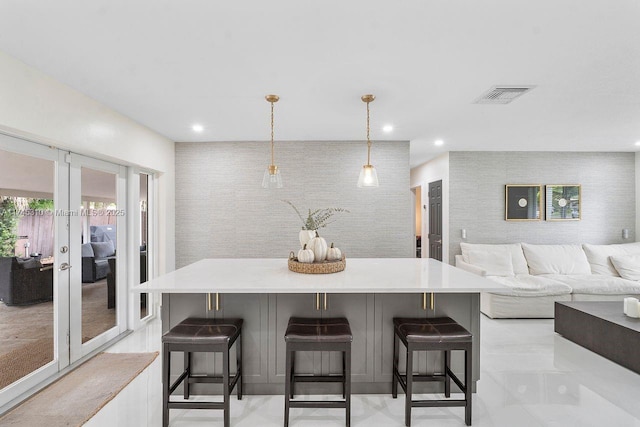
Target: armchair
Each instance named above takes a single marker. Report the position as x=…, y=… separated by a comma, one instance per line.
x=95, y=256
x=24, y=282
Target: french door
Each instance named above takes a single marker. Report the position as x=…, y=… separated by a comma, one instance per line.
x=65, y=215
x=97, y=249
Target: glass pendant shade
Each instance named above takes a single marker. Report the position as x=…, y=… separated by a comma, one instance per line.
x=272, y=178
x=368, y=177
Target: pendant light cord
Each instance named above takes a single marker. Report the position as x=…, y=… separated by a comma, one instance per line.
x=368, y=140
x=272, y=159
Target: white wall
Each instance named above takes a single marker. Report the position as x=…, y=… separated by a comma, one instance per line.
x=231, y=216
x=477, y=200
x=36, y=107
x=433, y=170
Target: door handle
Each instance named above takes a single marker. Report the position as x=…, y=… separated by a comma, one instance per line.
x=64, y=266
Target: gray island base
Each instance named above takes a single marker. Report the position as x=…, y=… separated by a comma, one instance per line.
x=369, y=293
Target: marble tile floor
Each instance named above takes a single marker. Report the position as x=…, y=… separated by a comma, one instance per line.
x=530, y=376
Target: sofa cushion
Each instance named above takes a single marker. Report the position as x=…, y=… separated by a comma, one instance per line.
x=531, y=286
x=628, y=266
x=518, y=262
x=26, y=264
x=597, y=284
x=495, y=263
x=598, y=256
x=103, y=249
x=87, y=250
x=556, y=259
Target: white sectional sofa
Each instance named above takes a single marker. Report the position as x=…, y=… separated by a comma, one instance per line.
x=538, y=275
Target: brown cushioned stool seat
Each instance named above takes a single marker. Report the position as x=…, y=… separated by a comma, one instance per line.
x=201, y=335
x=432, y=334
x=318, y=334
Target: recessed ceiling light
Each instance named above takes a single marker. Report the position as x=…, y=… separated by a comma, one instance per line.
x=638, y=143
x=197, y=128
x=387, y=128
x=438, y=142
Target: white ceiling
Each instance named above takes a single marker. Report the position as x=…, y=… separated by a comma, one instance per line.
x=170, y=64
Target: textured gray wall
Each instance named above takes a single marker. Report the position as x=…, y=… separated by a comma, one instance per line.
x=223, y=212
x=476, y=194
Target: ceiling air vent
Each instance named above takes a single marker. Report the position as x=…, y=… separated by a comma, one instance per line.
x=502, y=94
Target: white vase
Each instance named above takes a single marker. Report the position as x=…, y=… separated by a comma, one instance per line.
x=305, y=235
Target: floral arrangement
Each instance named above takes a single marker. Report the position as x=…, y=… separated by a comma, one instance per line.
x=318, y=218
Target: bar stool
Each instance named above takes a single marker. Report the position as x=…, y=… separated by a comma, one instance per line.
x=316, y=334
x=201, y=335
x=429, y=334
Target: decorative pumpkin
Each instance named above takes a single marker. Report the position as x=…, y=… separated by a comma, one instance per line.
x=319, y=247
x=305, y=235
x=334, y=254
x=305, y=255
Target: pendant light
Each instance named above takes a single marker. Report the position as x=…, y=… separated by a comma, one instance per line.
x=272, y=177
x=368, y=176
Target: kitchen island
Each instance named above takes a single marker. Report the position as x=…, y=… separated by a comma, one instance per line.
x=369, y=292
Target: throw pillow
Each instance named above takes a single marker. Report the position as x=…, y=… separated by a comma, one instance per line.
x=103, y=249
x=519, y=263
x=628, y=266
x=599, y=256
x=496, y=262
x=556, y=259
x=87, y=250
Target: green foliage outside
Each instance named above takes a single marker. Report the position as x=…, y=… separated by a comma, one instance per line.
x=41, y=204
x=8, y=228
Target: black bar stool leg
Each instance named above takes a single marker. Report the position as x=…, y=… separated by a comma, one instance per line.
x=287, y=385
x=344, y=375
x=187, y=369
x=293, y=375
x=225, y=386
x=347, y=382
x=394, y=380
x=467, y=385
x=447, y=377
x=409, y=396
x=239, y=366
x=166, y=379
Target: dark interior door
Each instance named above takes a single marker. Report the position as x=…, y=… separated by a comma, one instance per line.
x=435, y=220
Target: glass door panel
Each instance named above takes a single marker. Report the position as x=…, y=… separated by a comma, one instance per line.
x=144, y=241
x=28, y=280
x=96, y=188
x=99, y=247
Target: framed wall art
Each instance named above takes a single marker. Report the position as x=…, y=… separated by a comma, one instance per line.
x=563, y=202
x=523, y=202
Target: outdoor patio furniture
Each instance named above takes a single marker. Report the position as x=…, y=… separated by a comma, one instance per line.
x=95, y=256
x=24, y=282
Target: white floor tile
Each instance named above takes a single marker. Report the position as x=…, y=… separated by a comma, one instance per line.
x=530, y=377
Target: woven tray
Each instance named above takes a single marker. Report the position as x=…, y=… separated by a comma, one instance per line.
x=322, y=267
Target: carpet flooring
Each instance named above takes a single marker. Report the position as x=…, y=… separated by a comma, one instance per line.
x=77, y=396
x=26, y=332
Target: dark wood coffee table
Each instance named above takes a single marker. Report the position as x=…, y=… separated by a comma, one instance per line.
x=603, y=328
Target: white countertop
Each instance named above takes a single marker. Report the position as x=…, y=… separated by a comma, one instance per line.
x=361, y=275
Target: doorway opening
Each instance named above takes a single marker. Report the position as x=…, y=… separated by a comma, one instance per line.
x=418, y=220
